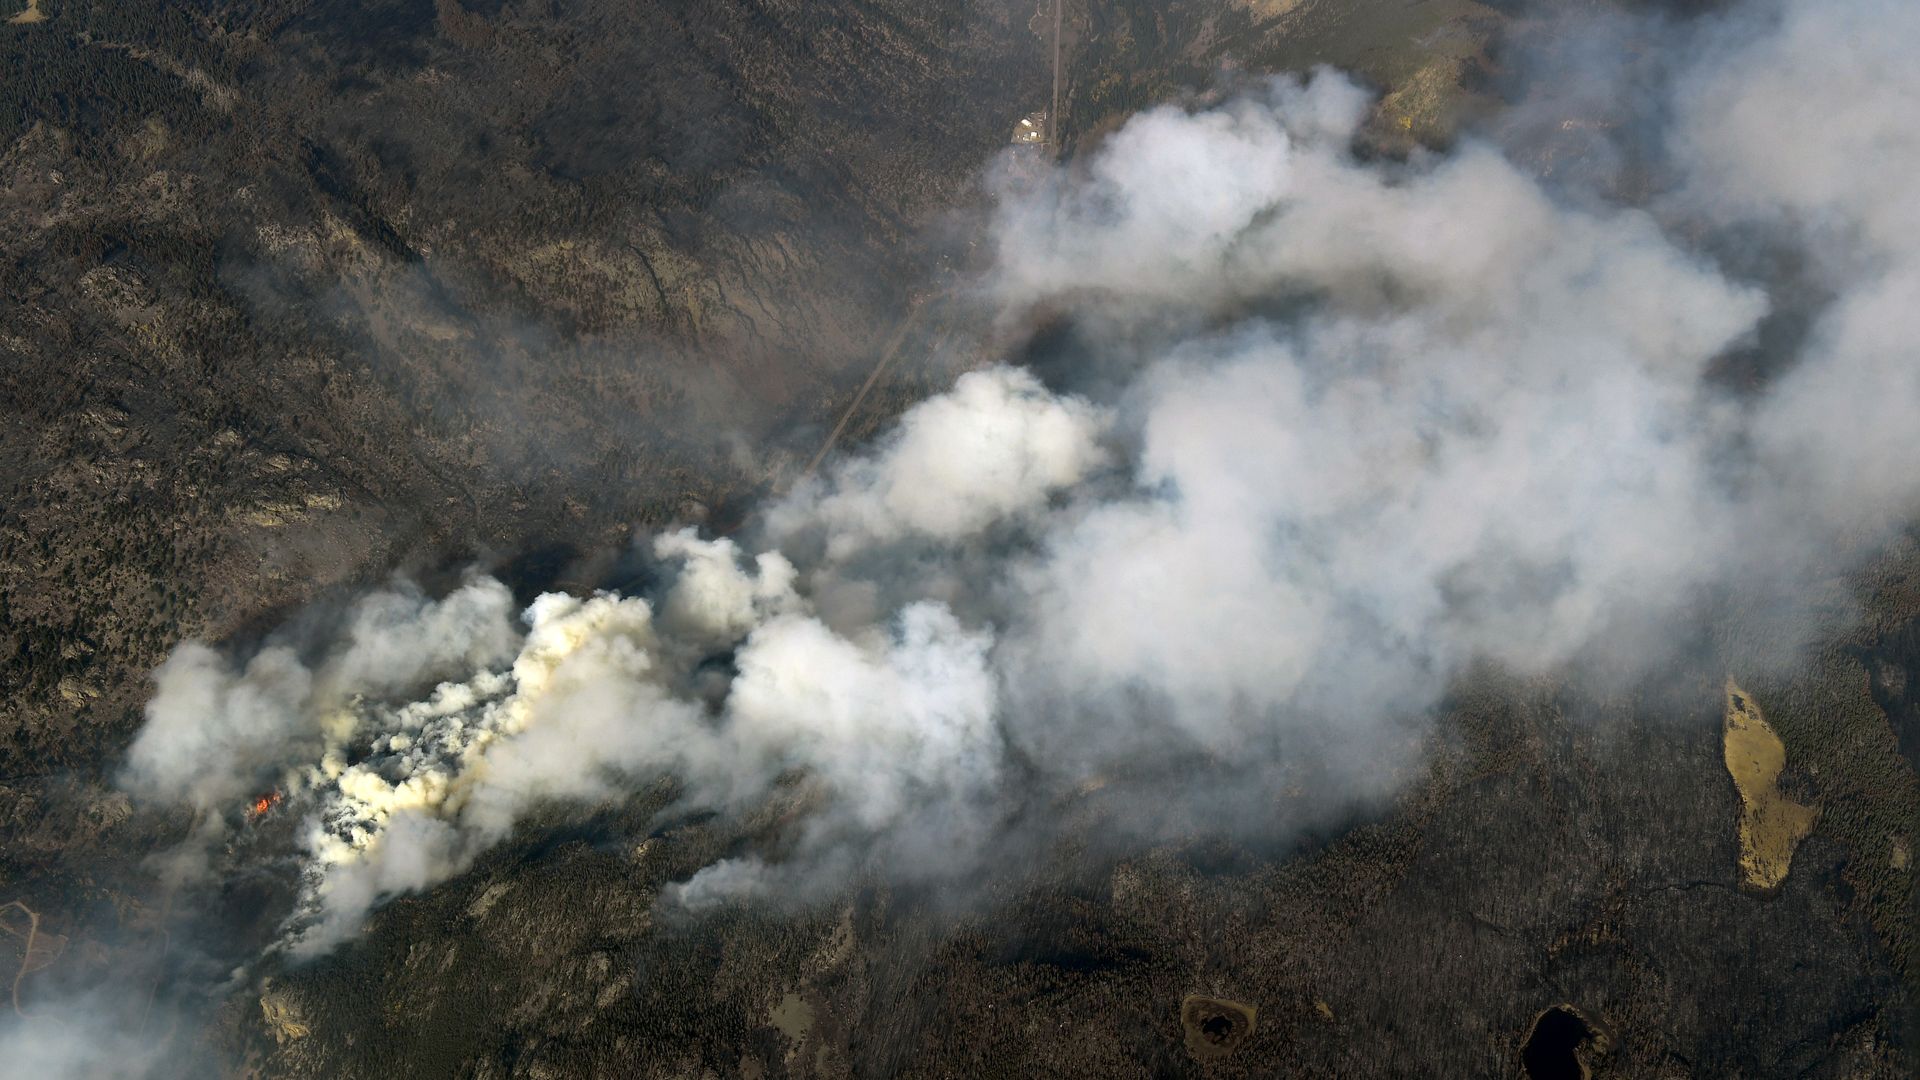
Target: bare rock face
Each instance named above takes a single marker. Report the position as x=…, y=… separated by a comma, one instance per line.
x=282, y=1017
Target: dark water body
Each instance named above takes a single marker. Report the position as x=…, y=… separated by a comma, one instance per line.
x=1549, y=1051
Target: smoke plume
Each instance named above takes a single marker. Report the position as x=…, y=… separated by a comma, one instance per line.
x=1337, y=430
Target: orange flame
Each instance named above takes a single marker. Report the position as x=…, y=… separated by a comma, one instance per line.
x=263, y=804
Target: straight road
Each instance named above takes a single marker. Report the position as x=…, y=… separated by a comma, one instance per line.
x=1053, y=114
x=913, y=315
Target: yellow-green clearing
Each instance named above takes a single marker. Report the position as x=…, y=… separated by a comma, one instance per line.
x=1771, y=825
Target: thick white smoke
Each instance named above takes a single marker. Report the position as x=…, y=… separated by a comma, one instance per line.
x=214, y=732
x=1807, y=126
x=1483, y=432
x=1374, y=423
x=994, y=447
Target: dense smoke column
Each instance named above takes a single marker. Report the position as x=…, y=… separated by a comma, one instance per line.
x=1348, y=428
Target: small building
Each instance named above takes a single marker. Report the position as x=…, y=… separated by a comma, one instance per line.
x=1031, y=130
